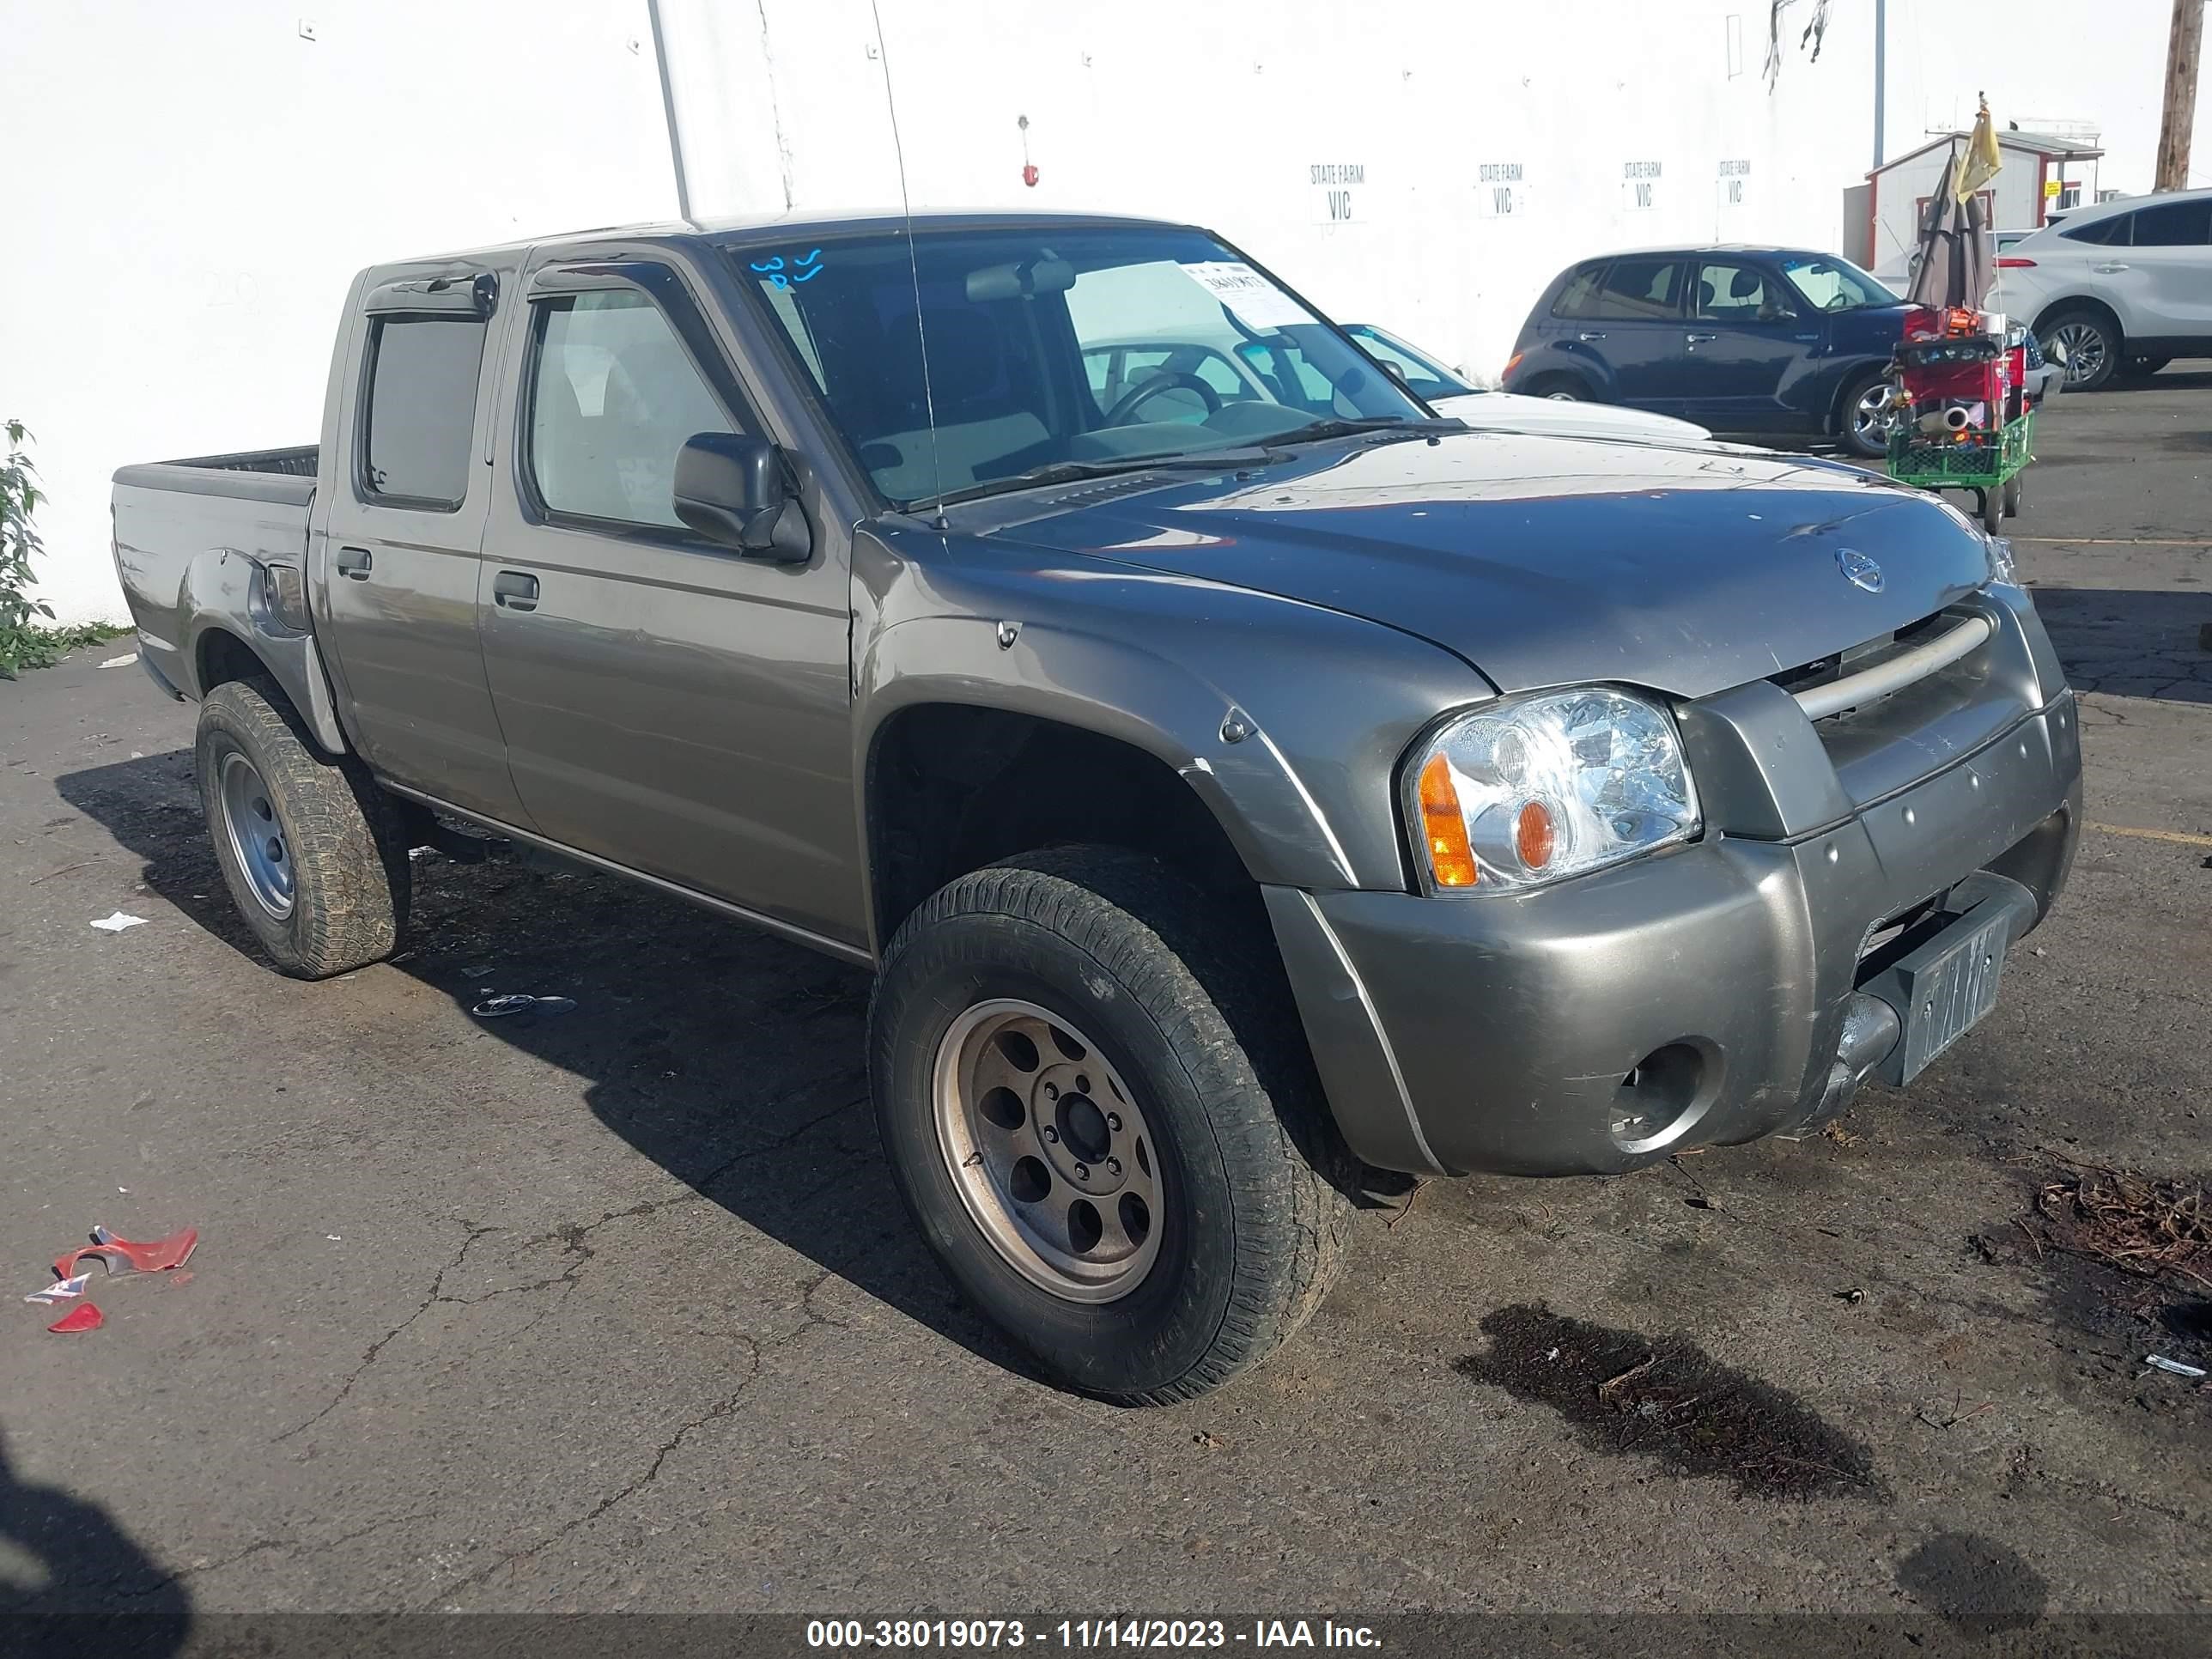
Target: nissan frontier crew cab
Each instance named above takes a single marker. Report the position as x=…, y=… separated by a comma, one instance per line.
x=1238, y=777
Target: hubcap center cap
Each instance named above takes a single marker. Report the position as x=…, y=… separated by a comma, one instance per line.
x=1083, y=1129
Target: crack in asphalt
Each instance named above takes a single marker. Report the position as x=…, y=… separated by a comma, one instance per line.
x=368, y=1355
x=571, y=1237
x=756, y=1350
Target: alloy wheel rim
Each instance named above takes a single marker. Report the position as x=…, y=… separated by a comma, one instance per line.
x=1871, y=419
x=256, y=836
x=1049, y=1149
x=2085, y=351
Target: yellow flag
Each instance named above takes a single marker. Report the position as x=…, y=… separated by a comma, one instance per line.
x=1982, y=158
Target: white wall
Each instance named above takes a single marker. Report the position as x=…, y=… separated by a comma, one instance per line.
x=200, y=182
x=191, y=187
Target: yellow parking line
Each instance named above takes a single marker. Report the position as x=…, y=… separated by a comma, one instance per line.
x=2175, y=836
x=2106, y=541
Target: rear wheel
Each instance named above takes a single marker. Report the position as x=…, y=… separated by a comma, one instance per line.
x=1106, y=1124
x=2092, y=345
x=309, y=848
x=1562, y=388
x=2012, y=496
x=1992, y=509
x=1865, y=427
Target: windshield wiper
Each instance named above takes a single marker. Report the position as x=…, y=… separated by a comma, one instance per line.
x=1334, y=427
x=1207, y=461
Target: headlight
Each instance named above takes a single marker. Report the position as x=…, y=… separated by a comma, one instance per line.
x=1525, y=792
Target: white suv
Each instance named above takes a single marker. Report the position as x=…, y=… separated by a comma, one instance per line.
x=2124, y=286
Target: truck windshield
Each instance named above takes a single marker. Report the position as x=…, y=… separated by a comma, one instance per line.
x=1095, y=346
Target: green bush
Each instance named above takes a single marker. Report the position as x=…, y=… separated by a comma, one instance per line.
x=25, y=642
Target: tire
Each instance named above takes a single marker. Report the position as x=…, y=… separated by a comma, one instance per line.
x=2093, y=343
x=318, y=864
x=2012, y=496
x=1991, y=509
x=1562, y=388
x=1855, y=427
x=1178, y=1020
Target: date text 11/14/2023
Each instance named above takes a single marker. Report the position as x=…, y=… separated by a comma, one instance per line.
x=953, y=1634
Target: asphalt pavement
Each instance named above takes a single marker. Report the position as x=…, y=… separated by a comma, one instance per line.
x=616, y=1310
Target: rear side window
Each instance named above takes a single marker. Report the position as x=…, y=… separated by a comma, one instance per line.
x=421, y=412
x=1638, y=289
x=1580, y=293
x=2104, y=233
x=2174, y=224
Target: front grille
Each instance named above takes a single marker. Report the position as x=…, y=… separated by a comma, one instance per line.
x=1868, y=653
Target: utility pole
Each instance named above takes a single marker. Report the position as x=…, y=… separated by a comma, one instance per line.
x=1881, y=73
x=668, y=110
x=2184, y=47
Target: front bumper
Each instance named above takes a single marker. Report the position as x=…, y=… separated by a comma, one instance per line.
x=1456, y=1034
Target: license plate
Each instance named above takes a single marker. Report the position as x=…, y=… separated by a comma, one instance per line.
x=1946, y=986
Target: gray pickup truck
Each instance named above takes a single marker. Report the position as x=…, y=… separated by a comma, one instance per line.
x=1239, y=778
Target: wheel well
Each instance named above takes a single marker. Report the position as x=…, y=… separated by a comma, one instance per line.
x=1847, y=390
x=952, y=788
x=2050, y=315
x=223, y=656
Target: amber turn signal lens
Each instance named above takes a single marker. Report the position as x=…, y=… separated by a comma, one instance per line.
x=1533, y=835
x=1451, y=861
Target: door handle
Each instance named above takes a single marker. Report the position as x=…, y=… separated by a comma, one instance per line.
x=516, y=590
x=1589, y=338
x=357, y=563
x=1700, y=339
x=2107, y=271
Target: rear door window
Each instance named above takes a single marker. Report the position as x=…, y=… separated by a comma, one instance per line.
x=1646, y=290
x=422, y=416
x=2174, y=224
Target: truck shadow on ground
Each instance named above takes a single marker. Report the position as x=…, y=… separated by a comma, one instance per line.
x=2131, y=642
x=733, y=1061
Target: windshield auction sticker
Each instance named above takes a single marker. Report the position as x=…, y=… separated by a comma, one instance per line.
x=1255, y=301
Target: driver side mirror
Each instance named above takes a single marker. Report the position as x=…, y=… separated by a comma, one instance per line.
x=735, y=488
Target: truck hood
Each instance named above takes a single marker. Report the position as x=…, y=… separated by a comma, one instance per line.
x=1552, y=561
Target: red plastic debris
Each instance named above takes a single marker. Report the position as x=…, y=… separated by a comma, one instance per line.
x=121, y=1255
x=82, y=1317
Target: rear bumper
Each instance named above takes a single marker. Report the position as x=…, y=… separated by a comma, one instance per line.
x=1456, y=1034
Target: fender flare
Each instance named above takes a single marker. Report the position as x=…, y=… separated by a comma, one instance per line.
x=1300, y=776
x=226, y=590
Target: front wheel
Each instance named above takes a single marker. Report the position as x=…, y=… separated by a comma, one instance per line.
x=309, y=848
x=2012, y=496
x=1868, y=412
x=1105, y=1122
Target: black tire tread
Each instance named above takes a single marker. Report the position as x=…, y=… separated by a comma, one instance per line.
x=1290, y=1171
x=351, y=876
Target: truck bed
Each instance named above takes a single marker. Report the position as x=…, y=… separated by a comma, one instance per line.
x=192, y=538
